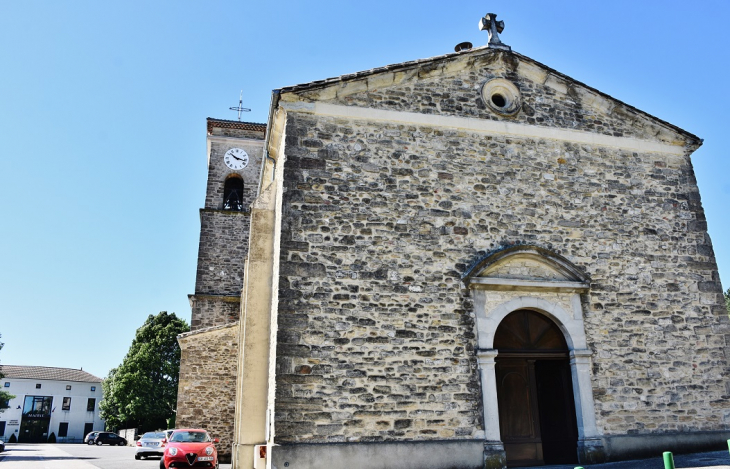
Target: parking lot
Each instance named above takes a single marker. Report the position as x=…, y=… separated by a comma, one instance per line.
x=74, y=456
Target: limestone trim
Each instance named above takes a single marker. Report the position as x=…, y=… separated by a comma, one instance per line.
x=580, y=368
x=231, y=140
x=496, y=297
x=507, y=284
x=569, y=322
x=424, y=454
x=234, y=213
x=255, y=388
x=485, y=359
x=186, y=335
x=208, y=296
x=556, y=262
x=509, y=129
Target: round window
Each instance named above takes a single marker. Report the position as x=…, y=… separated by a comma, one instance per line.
x=502, y=96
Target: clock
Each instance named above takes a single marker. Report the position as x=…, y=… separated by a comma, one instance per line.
x=236, y=158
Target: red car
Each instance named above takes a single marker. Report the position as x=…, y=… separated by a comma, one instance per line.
x=190, y=447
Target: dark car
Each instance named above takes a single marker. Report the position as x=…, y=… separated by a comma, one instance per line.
x=109, y=438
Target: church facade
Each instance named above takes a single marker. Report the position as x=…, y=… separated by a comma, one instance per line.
x=465, y=261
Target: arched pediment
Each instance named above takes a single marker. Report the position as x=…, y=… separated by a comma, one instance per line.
x=525, y=268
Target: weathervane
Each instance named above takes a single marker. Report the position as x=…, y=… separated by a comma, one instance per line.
x=240, y=107
x=493, y=27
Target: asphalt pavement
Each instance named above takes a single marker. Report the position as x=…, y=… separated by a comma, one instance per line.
x=78, y=456
x=74, y=456
x=714, y=460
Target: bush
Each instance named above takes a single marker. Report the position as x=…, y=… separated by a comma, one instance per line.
x=12, y=439
x=52, y=438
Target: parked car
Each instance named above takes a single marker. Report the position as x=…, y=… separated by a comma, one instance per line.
x=151, y=444
x=2, y=446
x=109, y=438
x=89, y=438
x=190, y=447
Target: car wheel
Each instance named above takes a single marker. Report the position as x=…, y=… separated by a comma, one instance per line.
x=162, y=463
x=91, y=442
x=121, y=443
x=99, y=443
x=136, y=456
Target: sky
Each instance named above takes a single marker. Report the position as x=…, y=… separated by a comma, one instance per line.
x=103, y=133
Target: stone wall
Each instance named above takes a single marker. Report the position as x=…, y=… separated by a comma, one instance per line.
x=207, y=390
x=209, y=311
x=376, y=332
x=222, y=252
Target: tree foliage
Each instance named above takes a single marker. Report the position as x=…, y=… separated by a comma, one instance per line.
x=727, y=300
x=4, y=395
x=142, y=391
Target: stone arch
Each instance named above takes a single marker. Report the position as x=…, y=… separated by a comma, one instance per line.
x=572, y=327
x=534, y=278
x=559, y=264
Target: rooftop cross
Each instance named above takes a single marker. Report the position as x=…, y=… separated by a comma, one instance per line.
x=240, y=107
x=493, y=27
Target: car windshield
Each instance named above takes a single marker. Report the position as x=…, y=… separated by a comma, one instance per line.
x=150, y=435
x=190, y=437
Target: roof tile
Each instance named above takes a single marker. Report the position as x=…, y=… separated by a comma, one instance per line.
x=48, y=372
x=238, y=125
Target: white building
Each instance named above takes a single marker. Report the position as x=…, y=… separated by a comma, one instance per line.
x=63, y=401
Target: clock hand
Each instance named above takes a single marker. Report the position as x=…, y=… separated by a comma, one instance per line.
x=239, y=159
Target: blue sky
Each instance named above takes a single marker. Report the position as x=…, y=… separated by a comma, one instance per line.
x=102, y=128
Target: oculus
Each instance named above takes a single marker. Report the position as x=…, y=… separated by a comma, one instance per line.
x=502, y=96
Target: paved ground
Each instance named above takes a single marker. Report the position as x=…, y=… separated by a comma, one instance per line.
x=74, y=456
x=714, y=460
x=44, y=456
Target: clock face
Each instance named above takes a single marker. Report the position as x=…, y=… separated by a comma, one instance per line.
x=236, y=158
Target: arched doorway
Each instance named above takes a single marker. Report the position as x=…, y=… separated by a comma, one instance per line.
x=537, y=418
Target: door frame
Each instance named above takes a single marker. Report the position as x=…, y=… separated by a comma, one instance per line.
x=555, y=291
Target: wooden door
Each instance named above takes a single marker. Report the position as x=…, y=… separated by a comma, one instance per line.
x=519, y=419
x=534, y=391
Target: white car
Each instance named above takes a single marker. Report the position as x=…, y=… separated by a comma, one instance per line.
x=89, y=438
x=151, y=444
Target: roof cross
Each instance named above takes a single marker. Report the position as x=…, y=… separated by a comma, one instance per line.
x=493, y=27
x=240, y=107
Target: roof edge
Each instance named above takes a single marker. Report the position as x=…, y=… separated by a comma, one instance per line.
x=30, y=368
x=694, y=141
x=238, y=125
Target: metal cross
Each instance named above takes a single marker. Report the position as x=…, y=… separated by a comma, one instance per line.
x=240, y=107
x=493, y=27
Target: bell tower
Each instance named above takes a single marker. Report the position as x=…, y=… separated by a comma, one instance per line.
x=235, y=152
x=209, y=352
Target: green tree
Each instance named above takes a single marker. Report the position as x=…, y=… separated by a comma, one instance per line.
x=727, y=300
x=4, y=395
x=142, y=391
